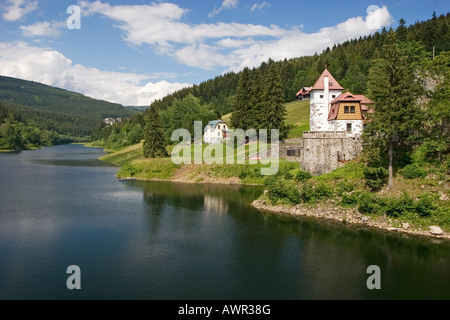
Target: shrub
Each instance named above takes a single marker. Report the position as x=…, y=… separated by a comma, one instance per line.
x=413, y=171
x=345, y=186
x=293, y=195
x=375, y=177
x=322, y=191
x=425, y=206
x=399, y=207
x=349, y=200
x=366, y=203
x=281, y=189
x=307, y=193
x=303, y=176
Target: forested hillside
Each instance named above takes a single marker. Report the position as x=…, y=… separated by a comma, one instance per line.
x=52, y=115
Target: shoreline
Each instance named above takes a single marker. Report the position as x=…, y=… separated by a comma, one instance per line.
x=323, y=211
x=351, y=216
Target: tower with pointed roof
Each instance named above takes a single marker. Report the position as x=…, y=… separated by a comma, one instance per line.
x=322, y=93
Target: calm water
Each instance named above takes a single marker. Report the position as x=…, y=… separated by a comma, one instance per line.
x=139, y=240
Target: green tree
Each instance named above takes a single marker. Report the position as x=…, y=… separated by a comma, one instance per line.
x=242, y=108
x=402, y=31
x=355, y=80
x=437, y=111
x=256, y=115
x=275, y=111
x=154, y=145
x=394, y=89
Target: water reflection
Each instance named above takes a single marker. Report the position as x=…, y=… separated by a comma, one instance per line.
x=152, y=240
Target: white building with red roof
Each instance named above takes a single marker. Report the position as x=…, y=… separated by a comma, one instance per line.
x=334, y=111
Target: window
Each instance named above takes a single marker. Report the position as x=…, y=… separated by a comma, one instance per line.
x=349, y=127
x=218, y=134
x=333, y=96
x=352, y=109
x=321, y=96
x=346, y=109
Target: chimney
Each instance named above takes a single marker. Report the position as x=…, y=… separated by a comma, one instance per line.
x=326, y=85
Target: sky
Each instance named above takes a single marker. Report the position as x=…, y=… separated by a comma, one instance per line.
x=134, y=52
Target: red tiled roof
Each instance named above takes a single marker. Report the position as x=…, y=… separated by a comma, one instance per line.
x=334, y=85
x=304, y=91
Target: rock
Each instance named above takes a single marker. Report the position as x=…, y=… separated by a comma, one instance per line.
x=365, y=219
x=394, y=229
x=435, y=230
x=406, y=226
x=443, y=196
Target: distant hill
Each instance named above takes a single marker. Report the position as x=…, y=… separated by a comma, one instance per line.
x=56, y=109
x=44, y=97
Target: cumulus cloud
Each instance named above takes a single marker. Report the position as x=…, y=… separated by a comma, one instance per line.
x=16, y=9
x=260, y=6
x=232, y=46
x=50, y=67
x=43, y=29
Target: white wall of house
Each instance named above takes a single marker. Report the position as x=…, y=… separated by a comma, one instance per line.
x=215, y=135
x=357, y=126
x=320, y=107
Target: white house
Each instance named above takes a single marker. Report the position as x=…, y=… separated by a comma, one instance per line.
x=332, y=110
x=215, y=132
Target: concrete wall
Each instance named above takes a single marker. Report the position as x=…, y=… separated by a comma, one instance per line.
x=320, y=152
x=324, y=152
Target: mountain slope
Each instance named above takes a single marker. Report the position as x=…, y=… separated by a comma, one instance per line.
x=43, y=97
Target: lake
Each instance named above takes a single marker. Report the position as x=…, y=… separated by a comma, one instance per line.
x=61, y=206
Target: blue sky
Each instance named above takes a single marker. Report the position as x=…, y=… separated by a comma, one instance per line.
x=133, y=52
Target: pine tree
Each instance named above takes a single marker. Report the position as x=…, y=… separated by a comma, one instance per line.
x=154, y=145
x=275, y=111
x=394, y=89
x=401, y=30
x=257, y=113
x=240, y=119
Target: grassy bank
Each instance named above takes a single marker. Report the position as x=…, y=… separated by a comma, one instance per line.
x=413, y=205
x=135, y=165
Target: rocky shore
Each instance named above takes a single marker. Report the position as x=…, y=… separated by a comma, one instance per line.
x=329, y=211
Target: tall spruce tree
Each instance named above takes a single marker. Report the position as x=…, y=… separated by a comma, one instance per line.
x=242, y=108
x=394, y=89
x=274, y=109
x=154, y=145
x=256, y=100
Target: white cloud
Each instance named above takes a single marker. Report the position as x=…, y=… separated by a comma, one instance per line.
x=260, y=6
x=232, y=46
x=50, y=67
x=226, y=4
x=18, y=9
x=43, y=29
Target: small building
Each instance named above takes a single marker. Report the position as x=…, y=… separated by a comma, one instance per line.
x=216, y=132
x=304, y=93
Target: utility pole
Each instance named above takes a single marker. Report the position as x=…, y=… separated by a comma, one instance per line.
x=434, y=52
